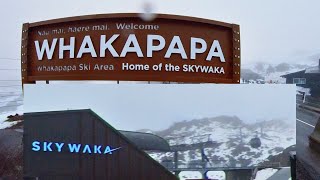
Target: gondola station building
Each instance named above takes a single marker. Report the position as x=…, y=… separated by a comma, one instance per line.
x=78, y=144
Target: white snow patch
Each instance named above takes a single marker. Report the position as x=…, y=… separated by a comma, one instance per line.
x=216, y=175
x=302, y=89
x=7, y=124
x=190, y=175
x=264, y=174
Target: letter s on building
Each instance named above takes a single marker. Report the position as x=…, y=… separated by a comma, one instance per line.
x=36, y=146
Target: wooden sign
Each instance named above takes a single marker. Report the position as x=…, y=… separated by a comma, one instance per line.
x=125, y=47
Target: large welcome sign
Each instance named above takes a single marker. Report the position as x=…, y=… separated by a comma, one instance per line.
x=125, y=47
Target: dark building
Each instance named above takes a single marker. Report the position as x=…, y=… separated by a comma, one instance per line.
x=78, y=144
x=307, y=78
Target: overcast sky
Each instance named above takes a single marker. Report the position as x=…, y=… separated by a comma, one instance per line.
x=273, y=31
x=156, y=106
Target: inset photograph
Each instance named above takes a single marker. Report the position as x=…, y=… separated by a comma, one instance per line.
x=159, y=131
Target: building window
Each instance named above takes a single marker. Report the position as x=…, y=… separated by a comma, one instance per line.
x=299, y=80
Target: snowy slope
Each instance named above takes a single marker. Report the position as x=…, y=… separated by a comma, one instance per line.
x=11, y=102
x=271, y=72
x=231, y=144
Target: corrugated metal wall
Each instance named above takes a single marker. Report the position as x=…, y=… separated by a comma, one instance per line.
x=85, y=127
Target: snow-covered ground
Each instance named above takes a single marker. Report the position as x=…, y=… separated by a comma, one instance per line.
x=7, y=124
x=264, y=174
x=11, y=102
x=301, y=89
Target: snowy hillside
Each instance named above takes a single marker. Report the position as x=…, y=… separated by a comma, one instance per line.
x=230, y=139
x=11, y=102
x=270, y=72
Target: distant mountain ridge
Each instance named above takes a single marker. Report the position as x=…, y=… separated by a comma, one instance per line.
x=270, y=72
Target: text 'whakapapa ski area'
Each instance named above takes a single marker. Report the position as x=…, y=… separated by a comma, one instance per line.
x=79, y=144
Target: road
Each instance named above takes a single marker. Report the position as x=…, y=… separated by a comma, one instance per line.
x=310, y=159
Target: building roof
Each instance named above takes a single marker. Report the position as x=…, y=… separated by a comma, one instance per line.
x=147, y=141
x=286, y=75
